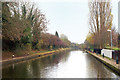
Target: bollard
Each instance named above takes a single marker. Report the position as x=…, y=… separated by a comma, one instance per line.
x=13, y=56
x=117, y=61
x=103, y=55
x=97, y=52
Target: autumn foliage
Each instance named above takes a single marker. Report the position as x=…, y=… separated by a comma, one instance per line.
x=100, y=21
x=51, y=40
x=24, y=27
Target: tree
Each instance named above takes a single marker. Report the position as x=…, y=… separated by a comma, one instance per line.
x=82, y=46
x=75, y=45
x=22, y=23
x=12, y=25
x=10, y=31
x=56, y=33
x=51, y=40
x=100, y=21
x=118, y=40
x=90, y=40
x=37, y=21
x=114, y=37
x=64, y=38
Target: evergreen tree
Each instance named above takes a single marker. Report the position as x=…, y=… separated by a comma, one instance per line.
x=56, y=34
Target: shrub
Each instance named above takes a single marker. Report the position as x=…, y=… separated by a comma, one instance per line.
x=23, y=49
x=28, y=47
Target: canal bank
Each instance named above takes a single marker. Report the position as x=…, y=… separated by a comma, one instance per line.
x=28, y=57
x=110, y=63
x=64, y=64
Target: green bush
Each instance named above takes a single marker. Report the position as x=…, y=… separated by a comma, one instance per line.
x=28, y=47
x=19, y=51
x=23, y=49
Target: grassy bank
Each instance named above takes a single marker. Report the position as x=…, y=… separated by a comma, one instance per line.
x=113, y=48
x=8, y=54
x=22, y=53
x=31, y=56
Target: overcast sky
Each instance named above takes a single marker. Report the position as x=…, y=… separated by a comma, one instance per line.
x=70, y=17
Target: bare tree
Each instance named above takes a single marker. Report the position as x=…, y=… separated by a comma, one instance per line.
x=100, y=21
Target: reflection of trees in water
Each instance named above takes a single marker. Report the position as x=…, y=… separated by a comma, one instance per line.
x=39, y=66
x=15, y=72
x=66, y=56
x=97, y=69
x=54, y=59
x=29, y=69
x=36, y=67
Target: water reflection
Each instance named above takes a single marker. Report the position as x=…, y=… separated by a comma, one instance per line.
x=73, y=64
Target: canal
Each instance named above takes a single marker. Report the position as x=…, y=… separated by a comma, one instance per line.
x=69, y=64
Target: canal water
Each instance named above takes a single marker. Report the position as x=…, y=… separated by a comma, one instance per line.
x=70, y=64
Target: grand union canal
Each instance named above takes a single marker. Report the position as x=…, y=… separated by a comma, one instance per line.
x=69, y=64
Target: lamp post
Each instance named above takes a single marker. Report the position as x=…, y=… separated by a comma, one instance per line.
x=111, y=36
